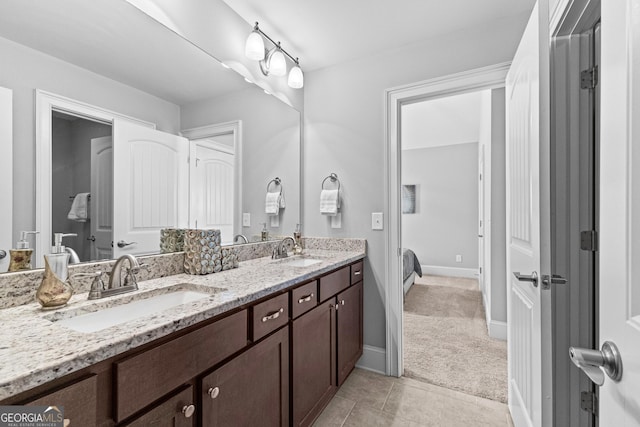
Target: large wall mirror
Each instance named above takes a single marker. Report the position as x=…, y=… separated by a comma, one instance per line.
x=122, y=128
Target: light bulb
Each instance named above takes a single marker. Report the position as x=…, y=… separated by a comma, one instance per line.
x=254, y=48
x=296, y=78
x=277, y=63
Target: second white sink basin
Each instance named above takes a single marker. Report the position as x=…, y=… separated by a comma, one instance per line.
x=112, y=316
x=302, y=262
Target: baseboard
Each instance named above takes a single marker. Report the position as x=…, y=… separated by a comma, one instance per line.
x=471, y=273
x=373, y=359
x=498, y=330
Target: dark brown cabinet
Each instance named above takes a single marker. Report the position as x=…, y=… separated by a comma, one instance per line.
x=78, y=399
x=178, y=410
x=349, y=330
x=313, y=354
x=252, y=389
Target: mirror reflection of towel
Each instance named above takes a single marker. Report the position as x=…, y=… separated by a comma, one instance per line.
x=273, y=202
x=79, y=208
x=329, y=202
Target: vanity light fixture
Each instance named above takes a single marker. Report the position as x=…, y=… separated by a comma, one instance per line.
x=273, y=61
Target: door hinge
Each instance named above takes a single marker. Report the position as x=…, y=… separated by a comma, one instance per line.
x=589, y=240
x=589, y=402
x=589, y=78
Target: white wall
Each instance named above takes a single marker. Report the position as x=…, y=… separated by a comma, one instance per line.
x=24, y=70
x=270, y=148
x=344, y=133
x=445, y=222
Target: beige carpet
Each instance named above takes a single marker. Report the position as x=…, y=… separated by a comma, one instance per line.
x=446, y=340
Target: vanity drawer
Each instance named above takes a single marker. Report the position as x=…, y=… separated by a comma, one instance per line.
x=357, y=272
x=335, y=282
x=304, y=298
x=78, y=399
x=270, y=315
x=146, y=377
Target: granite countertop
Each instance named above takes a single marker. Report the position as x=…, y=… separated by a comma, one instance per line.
x=35, y=350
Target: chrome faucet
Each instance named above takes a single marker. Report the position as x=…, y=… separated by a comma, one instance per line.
x=240, y=238
x=280, y=251
x=130, y=280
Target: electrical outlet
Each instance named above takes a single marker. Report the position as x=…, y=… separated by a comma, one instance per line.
x=458, y=258
x=246, y=219
x=376, y=221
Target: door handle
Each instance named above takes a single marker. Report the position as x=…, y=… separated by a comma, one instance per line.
x=3, y=253
x=594, y=362
x=122, y=243
x=533, y=279
x=554, y=279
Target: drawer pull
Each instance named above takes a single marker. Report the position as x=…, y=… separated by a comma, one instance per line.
x=357, y=273
x=213, y=392
x=188, y=410
x=272, y=316
x=305, y=299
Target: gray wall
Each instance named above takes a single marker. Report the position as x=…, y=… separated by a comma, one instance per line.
x=270, y=148
x=25, y=70
x=344, y=133
x=446, y=220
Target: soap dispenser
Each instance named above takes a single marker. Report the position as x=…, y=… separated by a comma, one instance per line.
x=297, y=237
x=264, y=234
x=55, y=289
x=20, y=257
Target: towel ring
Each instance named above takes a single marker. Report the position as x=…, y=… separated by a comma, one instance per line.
x=333, y=177
x=277, y=181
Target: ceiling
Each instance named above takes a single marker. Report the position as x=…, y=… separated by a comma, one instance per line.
x=117, y=40
x=328, y=32
x=443, y=121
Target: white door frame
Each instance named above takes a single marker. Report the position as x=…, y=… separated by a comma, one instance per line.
x=6, y=166
x=491, y=77
x=46, y=103
x=235, y=128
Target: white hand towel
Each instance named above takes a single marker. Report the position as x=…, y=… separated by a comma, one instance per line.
x=329, y=202
x=79, y=208
x=272, y=203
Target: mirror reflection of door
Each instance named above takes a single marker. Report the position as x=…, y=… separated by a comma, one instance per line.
x=73, y=172
x=101, y=206
x=212, y=189
x=6, y=175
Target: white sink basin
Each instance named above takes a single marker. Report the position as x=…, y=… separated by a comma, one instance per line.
x=112, y=316
x=302, y=262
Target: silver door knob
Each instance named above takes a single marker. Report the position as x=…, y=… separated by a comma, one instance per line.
x=188, y=410
x=122, y=243
x=595, y=363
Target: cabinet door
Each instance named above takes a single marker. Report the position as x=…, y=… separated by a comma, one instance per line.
x=349, y=330
x=314, y=362
x=252, y=389
x=78, y=399
x=177, y=411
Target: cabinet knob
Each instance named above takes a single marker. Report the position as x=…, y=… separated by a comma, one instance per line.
x=188, y=410
x=213, y=392
x=342, y=302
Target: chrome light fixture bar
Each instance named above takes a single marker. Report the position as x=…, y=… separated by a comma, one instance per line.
x=272, y=61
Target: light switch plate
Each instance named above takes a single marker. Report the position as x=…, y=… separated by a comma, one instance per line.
x=275, y=221
x=336, y=220
x=246, y=219
x=377, y=221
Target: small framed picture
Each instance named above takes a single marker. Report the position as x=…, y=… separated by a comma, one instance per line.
x=409, y=199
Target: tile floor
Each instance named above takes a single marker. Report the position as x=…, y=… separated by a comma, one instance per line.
x=370, y=399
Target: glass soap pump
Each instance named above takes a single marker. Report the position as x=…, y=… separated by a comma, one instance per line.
x=264, y=234
x=297, y=237
x=55, y=289
x=20, y=257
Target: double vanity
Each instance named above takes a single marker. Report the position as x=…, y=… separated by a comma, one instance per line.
x=267, y=344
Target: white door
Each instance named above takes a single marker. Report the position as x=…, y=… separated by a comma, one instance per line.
x=619, y=249
x=150, y=186
x=528, y=337
x=101, y=203
x=211, y=193
x=6, y=175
